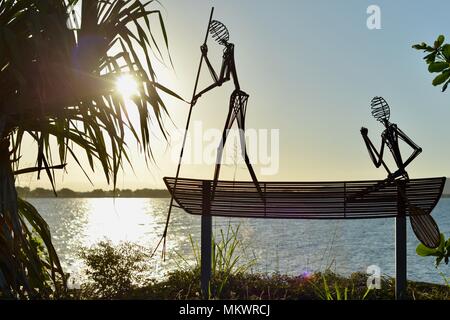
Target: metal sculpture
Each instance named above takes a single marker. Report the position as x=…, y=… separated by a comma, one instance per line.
x=395, y=197
x=238, y=100
x=237, y=108
x=423, y=225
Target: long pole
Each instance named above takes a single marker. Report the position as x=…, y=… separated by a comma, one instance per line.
x=400, y=245
x=206, y=240
x=163, y=238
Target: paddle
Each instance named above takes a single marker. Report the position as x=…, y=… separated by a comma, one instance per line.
x=164, y=236
x=423, y=224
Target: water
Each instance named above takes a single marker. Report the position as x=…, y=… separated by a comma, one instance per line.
x=285, y=246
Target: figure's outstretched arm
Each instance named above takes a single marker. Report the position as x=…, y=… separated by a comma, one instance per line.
x=415, y=147
x=375, y=156
x=204, y=50
x=217, y=80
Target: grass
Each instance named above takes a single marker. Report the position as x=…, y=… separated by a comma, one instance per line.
x=182, y=285
x=335, y=292
x=116, y=272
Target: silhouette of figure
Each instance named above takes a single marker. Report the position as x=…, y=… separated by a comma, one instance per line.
x=424, y=226
x=390, y=137
x=238, y=99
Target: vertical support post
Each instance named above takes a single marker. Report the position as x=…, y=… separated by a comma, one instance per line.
x=345, y=199
x=400, y=244
x=206, y=239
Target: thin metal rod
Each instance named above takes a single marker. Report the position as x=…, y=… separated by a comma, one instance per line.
x=188, y=120
x=206, y=240
x=201, y=58
x=400, y=246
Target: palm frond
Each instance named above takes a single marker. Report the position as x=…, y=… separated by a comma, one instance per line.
x=70, y=93
x=59, y=85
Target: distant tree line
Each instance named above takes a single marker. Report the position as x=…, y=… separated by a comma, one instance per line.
x=26, y=192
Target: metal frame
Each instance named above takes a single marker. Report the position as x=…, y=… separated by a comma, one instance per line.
x=397, y=196
x=305, y=200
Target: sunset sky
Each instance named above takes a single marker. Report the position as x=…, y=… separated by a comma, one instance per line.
x=311, y=68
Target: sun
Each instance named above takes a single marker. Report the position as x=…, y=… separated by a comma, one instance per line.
x=127, y=86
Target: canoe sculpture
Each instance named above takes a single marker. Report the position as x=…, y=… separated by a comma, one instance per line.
x=307, y=200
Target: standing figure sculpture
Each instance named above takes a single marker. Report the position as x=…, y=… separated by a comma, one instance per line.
x=423, y=226
x=238, y=99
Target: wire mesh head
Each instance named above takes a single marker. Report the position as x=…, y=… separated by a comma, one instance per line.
x=380, y=109
x=219, y=32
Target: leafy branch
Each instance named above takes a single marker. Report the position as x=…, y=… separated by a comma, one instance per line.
x=438, y=60
x=442, y=253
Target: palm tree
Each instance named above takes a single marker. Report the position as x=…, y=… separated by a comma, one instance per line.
x=58, y=83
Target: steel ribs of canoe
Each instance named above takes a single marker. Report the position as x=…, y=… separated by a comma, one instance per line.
x=306, y=200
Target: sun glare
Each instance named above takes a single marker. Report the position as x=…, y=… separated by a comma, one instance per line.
x=126, y=85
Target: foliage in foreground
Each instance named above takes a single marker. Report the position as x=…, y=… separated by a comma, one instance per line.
x=227, y=250
x=182, y=285
x=58, y=86
x=120, y=272
x=114, y=271
x=442, y=252
x=185, y=285
x=44, y=275
x=438, y=60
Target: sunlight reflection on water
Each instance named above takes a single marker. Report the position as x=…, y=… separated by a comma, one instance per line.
x=284, y=246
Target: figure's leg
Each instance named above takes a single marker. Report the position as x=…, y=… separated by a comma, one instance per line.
x=241, y=102
x=228, y=123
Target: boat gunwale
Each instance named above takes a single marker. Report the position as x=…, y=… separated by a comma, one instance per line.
x=296, y=216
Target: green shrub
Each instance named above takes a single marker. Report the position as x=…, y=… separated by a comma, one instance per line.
x=114, y=271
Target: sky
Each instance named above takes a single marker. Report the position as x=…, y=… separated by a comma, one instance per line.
x=311, y=68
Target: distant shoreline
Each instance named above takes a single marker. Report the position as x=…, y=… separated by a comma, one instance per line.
x=162, y=196
x=25, y=192
x=94, y=197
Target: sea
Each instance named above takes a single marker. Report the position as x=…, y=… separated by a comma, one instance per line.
x=293, y=247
